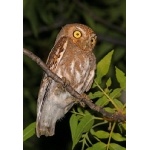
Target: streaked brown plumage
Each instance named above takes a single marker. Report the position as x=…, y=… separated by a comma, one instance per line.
x=72, y=58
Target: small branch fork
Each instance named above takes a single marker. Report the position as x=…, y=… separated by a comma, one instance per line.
x=83, y=98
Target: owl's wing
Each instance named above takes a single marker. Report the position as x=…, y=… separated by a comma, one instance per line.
x=52, y=62
x=56, y=53
x=91, y=75
x=43, y=88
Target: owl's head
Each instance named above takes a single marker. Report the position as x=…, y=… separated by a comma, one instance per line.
x=81, y=35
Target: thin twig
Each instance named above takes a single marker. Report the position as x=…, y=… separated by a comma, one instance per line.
x=110, y=116
x=110, y=135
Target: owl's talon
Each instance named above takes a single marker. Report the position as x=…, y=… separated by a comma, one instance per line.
x=82, y=104
x=83, y=96
x=65, y=81
x=77, y=101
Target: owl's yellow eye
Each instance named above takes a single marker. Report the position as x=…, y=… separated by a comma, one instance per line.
x=77, y=34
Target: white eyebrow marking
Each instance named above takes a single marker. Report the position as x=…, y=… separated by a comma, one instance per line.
x=83, y=32
x=65, y=45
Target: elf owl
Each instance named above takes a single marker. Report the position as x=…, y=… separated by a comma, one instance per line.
x=72, y=59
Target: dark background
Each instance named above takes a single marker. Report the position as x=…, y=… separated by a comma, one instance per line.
x=42, y=21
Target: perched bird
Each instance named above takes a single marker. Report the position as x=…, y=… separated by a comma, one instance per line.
x=71, y=58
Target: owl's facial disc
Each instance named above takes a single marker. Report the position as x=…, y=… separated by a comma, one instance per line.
x=80, y=35
x=85, y=38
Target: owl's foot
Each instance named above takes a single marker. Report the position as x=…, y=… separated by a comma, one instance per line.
x=83, y=96
x=65, y=81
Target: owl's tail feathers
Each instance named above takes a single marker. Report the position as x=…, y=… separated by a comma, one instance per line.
x=44, y=130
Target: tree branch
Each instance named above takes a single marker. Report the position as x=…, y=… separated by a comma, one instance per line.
x=108, y=116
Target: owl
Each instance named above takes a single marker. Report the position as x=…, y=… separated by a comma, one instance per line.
x=72, y=59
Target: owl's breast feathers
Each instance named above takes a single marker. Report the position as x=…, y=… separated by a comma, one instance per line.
x=77, y=66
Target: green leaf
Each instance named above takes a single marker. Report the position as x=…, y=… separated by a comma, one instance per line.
x=87, y=112
x=95, y=95
x=103, y=66
x=120, y=127
x=29, y=131
x=101, y=134
x=121, y=78
x=116, y=93
x=98, y=146
x=118, y=103
x=73, y=124
x=102, y=101
x=110, y=110
x=114, y=146
x=118, y=137
x=108, y=83
x=80, y=110
x=124, y=125
x=84, y=126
